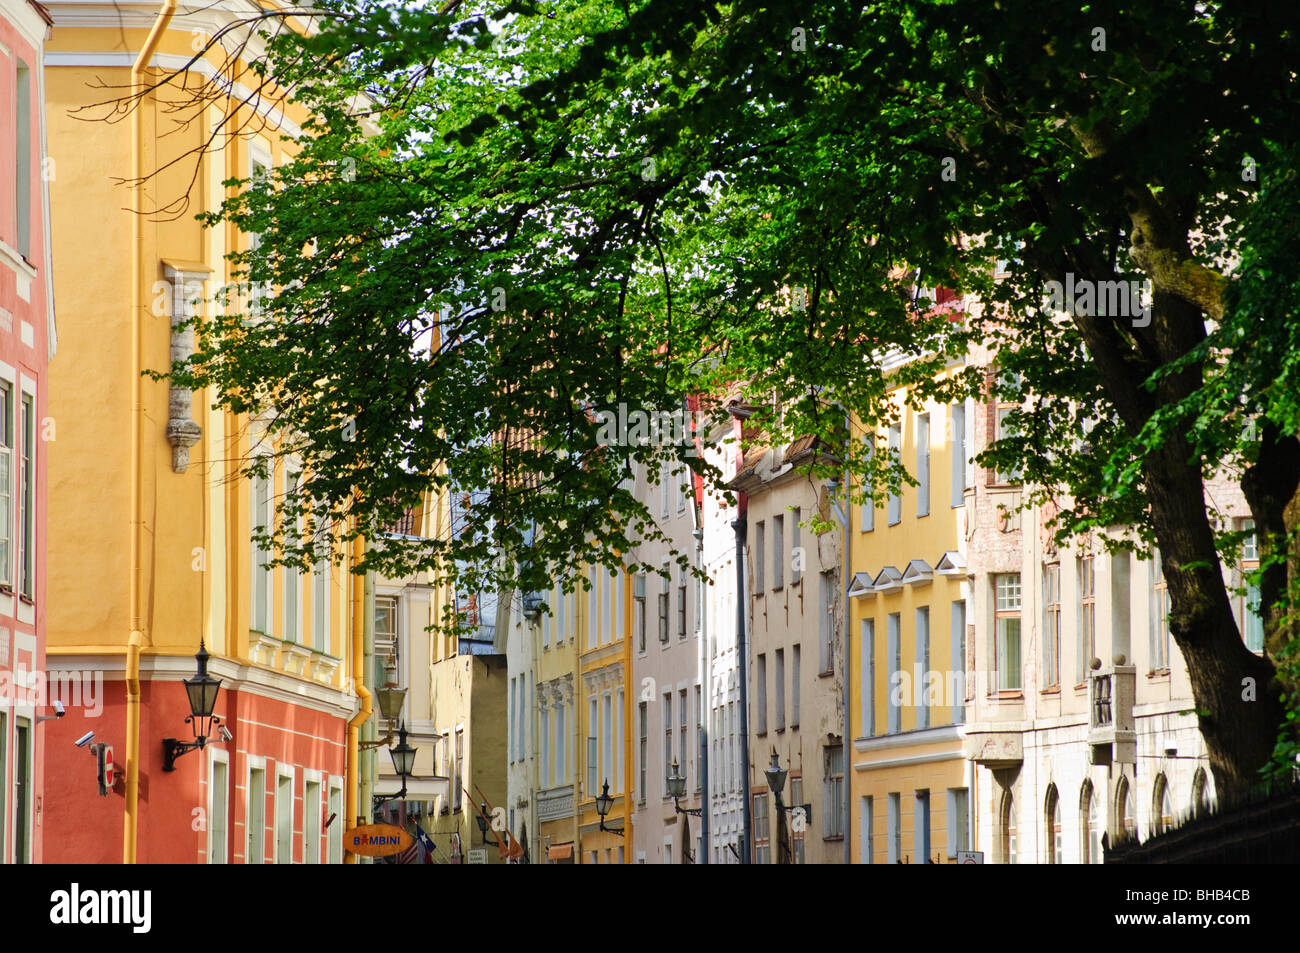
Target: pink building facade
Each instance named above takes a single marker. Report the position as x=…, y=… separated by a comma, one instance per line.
x=27, y=342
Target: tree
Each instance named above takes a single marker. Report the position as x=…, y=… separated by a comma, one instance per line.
x=551, y=210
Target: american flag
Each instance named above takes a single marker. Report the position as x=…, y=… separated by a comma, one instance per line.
x=409, y=856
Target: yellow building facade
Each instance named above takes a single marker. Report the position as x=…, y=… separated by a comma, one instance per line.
x=908, y=638
x=150, y=543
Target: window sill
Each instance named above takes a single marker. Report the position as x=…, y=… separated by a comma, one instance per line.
x=1158, y=673
x=27, y=600
x=7, y=589
x=1009, y=694
x=837, y=838
x=781, y=730
x=1051, y=690
x=826, y=674
x=1081, y=687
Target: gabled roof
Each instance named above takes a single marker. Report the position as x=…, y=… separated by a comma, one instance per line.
x=862, y=586
x=918, y=573
x=889, y=580
x=951, y=563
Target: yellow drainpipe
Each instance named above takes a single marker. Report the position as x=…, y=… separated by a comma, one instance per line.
x=359, y=680
x=139, y=636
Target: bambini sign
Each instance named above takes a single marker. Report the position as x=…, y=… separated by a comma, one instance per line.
x=377, y=840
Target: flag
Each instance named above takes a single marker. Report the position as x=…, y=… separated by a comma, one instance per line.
x=426, y=843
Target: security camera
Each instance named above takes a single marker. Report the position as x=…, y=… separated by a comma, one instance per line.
x=226, y=735
x=59, y=710
x=84, y=739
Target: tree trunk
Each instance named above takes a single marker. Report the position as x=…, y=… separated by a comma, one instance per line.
x=1236, y=692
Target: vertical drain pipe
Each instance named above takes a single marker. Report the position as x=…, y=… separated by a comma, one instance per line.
x=359, y=681
x=139, y=638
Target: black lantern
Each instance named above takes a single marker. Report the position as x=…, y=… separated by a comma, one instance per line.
x=603, y=804
x=403, y=756
x=482, y=821
x=202, y=692
x=677, y=791
x=776, y=777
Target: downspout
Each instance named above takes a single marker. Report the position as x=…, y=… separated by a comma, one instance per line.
x=139, y=637
x=740, y=525
x=846, y=536
x=359, y=682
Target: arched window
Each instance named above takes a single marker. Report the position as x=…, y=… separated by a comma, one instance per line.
x=1127, y=829
x=1200, y=794
x=1007, y=829
x=1089, y=828
x=1162, y=808
x=1052, y=816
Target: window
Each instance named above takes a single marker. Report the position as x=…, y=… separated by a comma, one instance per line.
x=668, y=739
x=1007, y=430
x=6, y=485
x=923, y=465
x=921, y=827
x=387, y=642
x=23, y=165
x=256, y=822
x=1250, y=617
x=1007, y=829
x=284, y=818
x=958, y=821
x=796, y=557
x=336, y=823
x=681, y=603
x=893, y=828
x=866, y=831
x=699, y=724
x=778, y=552
x=218, y=811
x=867, y=649
x=458, y=775
x=760, y=688
x=1053, y=822
x=27, y=501
x=1052, y=626
x=1089, y=829
x=561, y=747
x=797, y=836
x=957, y=497
x=957, y=637
x=638, y=611
x=834, y=798
x=663, y=611
x=1160, y=615
x=260, y=615
x=311, y=808
x=867, y=511
x=780, y=690
x=794, y=689
x=895, y=501
x=544, y=761
x=618, y=742
x=1087, y=617
x=762, y=836
x=893, y=658
x=607, y=738
x=293, y=575
x=593, y=752
x=923, y=659
x=760, y=547
x=1200, y=794
x=1162, y=808
x=22, y=782
x=1124, y=811
x=643, y=750
x=683, y=735
x=828, y=622
x=1007, y=616
x=320, y=611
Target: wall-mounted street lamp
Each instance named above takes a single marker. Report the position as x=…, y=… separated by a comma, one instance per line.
x=677, y=791
x=202, y=692
x=532, y=606
x=603, y=804
x=403, y=763
x=776, y=776
x=482, y=821
x=390, y=698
